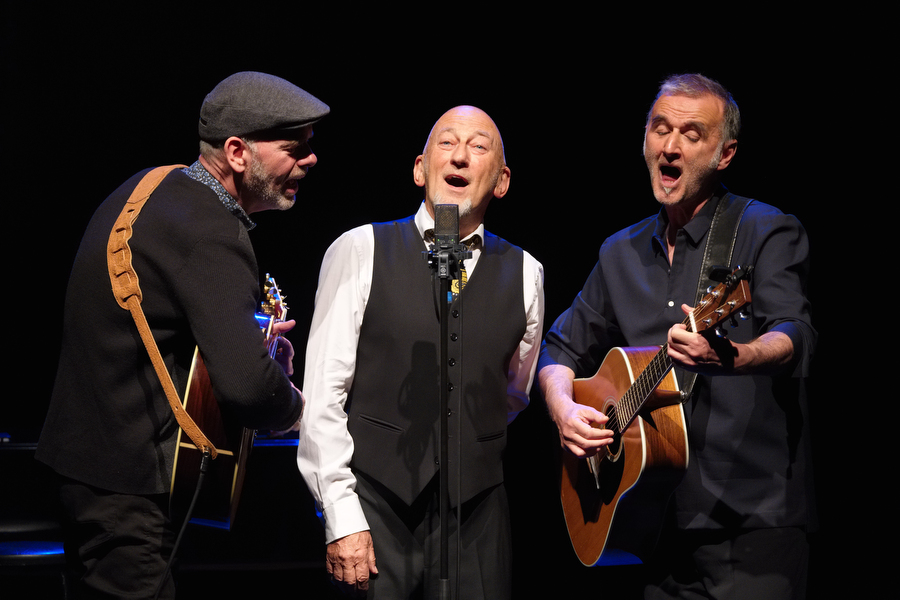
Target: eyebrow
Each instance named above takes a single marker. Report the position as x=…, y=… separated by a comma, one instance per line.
x=296, y=141
x=698, y=125
x=480, y=132
x=291, y=144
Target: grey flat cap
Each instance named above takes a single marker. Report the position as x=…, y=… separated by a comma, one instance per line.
x=251, y=102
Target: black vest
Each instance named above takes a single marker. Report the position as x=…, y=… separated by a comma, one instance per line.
x=394, y=399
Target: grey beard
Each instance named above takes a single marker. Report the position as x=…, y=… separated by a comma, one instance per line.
x=261, y=185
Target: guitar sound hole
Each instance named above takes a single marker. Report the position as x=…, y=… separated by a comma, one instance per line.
x=614, y=450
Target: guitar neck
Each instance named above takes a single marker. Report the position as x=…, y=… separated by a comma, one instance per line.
x=644, y=385
x=715, y=306
x=272, y=310
x=637, y=395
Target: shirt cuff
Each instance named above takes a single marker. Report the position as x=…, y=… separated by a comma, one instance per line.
x=343, y=518
x=802, y=346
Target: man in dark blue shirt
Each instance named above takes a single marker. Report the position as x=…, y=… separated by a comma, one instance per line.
x=742, y=511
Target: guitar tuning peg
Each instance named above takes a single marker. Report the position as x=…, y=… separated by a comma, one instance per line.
x=733, y=321
x=721, y=332
x=744, y=316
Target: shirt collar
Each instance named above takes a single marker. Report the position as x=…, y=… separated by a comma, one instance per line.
x=696, y=228
x=198, y=172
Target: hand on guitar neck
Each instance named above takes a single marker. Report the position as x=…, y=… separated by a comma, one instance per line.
x=284, y=351
x=707, y=354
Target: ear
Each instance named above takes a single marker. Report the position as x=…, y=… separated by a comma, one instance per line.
x=728, y=152
x=502, y=182
x=237, y=154
x=419, y=171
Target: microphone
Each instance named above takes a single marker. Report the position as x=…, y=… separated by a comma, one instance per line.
x=446, y=226
x=446, y=252
x=446, y=240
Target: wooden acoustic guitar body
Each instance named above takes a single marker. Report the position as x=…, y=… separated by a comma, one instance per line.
x=615, y=517
x=220, y=496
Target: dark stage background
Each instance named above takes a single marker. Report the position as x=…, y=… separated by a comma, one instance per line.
x=90, y=100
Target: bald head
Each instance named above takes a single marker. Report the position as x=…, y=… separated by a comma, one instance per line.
x=469, y=112
x=463, y=163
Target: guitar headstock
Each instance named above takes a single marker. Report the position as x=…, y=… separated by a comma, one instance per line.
x=273, y=301
x=721, y=302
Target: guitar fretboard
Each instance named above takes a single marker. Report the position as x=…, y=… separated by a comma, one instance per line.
x=634, y=399
x=727, y=298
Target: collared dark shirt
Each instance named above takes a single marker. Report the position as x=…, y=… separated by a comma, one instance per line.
x=748, y=435
x=198, y=172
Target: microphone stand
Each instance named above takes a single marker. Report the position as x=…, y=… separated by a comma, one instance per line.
x=444, y=259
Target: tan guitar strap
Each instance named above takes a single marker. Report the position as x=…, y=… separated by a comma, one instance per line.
x=127, y=291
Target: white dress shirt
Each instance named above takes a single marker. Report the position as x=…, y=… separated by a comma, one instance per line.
x=345, y=280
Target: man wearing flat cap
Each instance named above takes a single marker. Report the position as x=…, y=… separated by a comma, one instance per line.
x=110, y=432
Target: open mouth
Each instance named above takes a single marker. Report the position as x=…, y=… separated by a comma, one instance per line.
x=292, y=185
x=670, y=174
x=456, y=181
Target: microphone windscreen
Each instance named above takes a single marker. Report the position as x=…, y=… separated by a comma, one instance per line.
x=446, y=223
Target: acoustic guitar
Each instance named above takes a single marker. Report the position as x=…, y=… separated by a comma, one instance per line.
x=218, y=501
x=614, y=501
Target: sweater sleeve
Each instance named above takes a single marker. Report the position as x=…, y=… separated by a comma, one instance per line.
x=218, y=288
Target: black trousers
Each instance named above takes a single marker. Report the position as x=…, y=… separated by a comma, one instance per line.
x=407, y=544
x=116, y=545
x=752, y=564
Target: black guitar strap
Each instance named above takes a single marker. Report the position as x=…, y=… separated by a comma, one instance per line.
x=723, y=232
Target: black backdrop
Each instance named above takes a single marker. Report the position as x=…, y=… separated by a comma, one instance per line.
x=91, y=99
